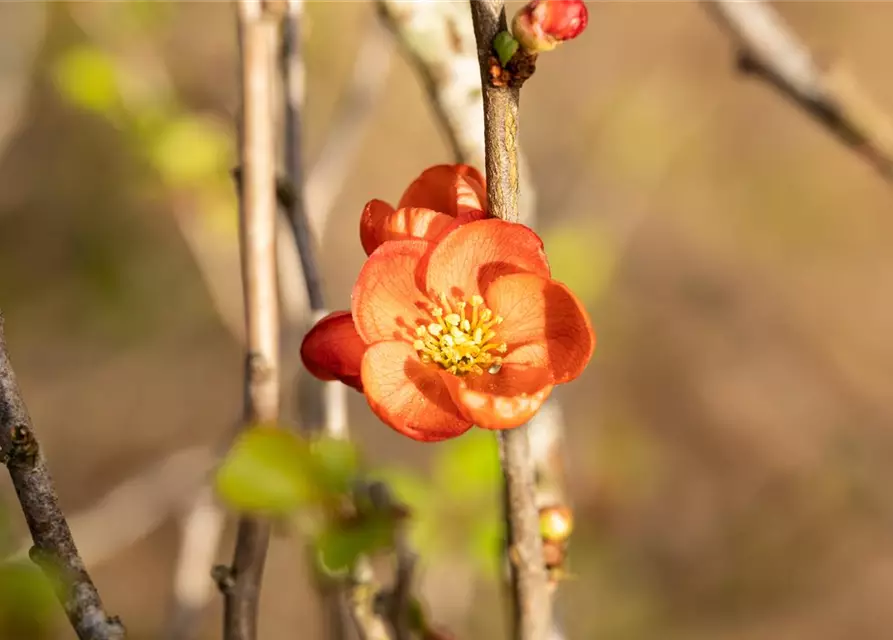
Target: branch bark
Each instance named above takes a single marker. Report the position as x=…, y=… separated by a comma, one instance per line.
x=258, y=36
x=532, y=605
x=768, y=49
x=54, y=549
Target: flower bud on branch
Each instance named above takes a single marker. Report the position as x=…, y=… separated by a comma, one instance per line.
x=544, y=24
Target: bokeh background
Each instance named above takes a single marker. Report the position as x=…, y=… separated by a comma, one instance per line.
x=729, y=448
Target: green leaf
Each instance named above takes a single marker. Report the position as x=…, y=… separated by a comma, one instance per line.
x=335, y=463
x=408, y=488
x=425, y=521
x=505, y=45
x=191, y=149
x=584, y=259
x=468, y=467
x=486, y=542
x=86, y=77
x=340, y=546
x=266, y=472
x=27, y=602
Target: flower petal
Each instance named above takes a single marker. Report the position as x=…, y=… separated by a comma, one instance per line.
x=477, y=181
x=470, y=257
x=414, y=222
x=508, y=398
x=387, y=301
x=540, y=310
x=373, y=216
x=332, y=349
x=408, y=396
x=446, y=189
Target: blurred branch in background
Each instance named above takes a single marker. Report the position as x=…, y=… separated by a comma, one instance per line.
x=241, y=582
x=202, y=524
x=438, y=40
x=771, y=51
x=327, y=398
x=201, y=529
x=54, y=549
x=202, y=210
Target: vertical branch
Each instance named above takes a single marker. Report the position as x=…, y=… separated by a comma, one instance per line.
x=293, y=73
x=333, y=397
x=54, y=550
x=258, y=31
x=200, y=532
x=546, y=434
x=330, y=397
x=530, y=593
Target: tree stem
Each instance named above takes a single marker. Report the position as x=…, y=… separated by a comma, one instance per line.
x=531, y=601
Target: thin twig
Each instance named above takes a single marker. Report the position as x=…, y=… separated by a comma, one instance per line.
x=200, y=533
x=54, y=548
x=322, y=186
x=258, y=31
x=328, y=397
x=531, y=600
x=202, y=520
x=361, y=597
x=768, y=49
x=546, y=433
x=292, y=66
x=401, y=593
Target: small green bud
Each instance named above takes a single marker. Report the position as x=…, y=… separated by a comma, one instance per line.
x=505, y=46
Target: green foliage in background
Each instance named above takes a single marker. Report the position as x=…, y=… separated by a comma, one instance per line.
x=187, y=151
x=457, y=512
x=88, y=78
x=165, y=154
x=316, y=485
x=27, y=601
x=584, y=259
x=267, y=471
x=319, y=486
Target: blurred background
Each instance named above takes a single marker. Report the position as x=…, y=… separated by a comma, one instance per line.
x=729, y=447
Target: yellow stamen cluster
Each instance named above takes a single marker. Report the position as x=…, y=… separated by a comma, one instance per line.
x=461, y=343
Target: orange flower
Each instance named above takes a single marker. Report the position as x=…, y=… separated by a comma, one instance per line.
x=442, y=198
x=469, y=330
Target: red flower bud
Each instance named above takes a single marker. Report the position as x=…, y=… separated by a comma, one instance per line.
x=544, y=24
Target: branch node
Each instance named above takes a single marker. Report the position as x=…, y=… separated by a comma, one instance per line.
x=515, y=72
x=23, y=450
x=223, y=577
x=259, y=369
